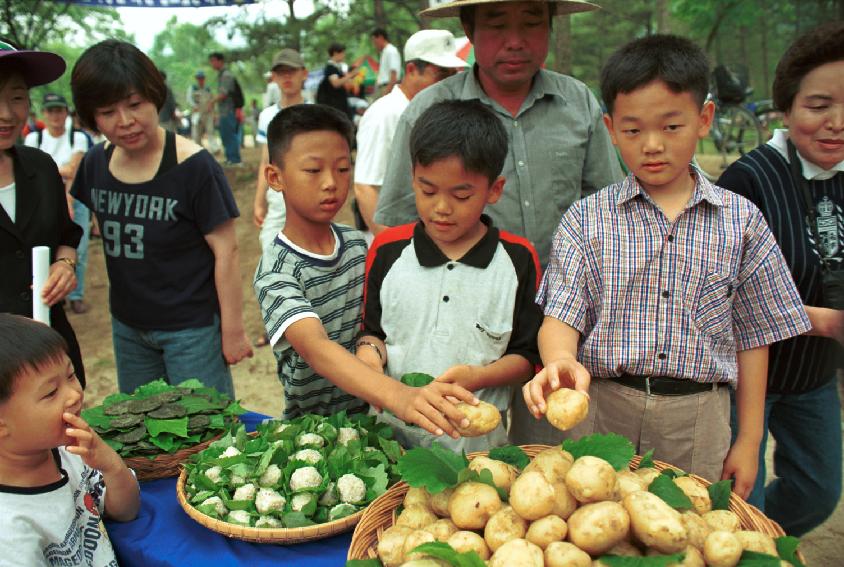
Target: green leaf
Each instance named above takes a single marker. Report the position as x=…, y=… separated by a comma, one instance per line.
x=510, y=454
x=436, y=468
x=442, y=550
x=376, y=481
x=152, y=388
x=296, y=520
x=719, y=493
x=485, y=476
x=364, y=563
x=754, y=559
x=156, y=427
x=115, y=399
x=191, y=383
x=391, y=448
x=647, y=460
x=652, y=561
x=116, y=445
x=234, y=409
x=166, y=442
x=673, y=473
x=787, y=549
x=613, y=448
x=417, y=379
x=664, y=487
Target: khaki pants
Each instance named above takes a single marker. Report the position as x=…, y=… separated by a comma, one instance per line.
x=691, y=432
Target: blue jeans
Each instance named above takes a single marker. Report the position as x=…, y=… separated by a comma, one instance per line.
x=807, y=458
x=82, y=217
x=228, y=133
x=176, y=356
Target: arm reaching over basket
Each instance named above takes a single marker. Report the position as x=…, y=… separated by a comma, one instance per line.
x=56, y=473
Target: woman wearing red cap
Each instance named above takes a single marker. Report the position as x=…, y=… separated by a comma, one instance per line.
x=33, y=205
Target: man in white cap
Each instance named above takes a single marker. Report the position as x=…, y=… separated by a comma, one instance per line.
x=429, y=57
x=559, y=150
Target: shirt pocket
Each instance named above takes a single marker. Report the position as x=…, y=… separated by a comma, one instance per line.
x=710, y=303
x=489, y=339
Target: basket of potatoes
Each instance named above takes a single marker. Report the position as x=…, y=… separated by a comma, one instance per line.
x=588, y=503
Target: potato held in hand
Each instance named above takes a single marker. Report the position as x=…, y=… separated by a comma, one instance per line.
x=483, y=418
x=566, y=408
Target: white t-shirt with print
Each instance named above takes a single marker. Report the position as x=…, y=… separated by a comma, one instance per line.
x=59, y=524
x=59, y=147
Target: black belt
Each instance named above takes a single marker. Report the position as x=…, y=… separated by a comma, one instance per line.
x=665, y=385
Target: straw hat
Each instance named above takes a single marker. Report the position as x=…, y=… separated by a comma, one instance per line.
x=558, y=7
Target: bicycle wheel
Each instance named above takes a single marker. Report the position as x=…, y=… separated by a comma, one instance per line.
x=741, y=132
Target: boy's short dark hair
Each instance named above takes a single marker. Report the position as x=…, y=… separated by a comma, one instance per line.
x=217, y=55
x=380, y=32
x=336, y=48
x=819, y=46
x=25, y=345
x=107, y=72
x=676, y=61
x=464, y=129
x=301, y=119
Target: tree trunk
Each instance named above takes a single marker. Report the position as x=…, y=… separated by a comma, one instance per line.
x=562, y=45
x=662, y=17
x=380, y=14
x=763, y=21
x=425, y=23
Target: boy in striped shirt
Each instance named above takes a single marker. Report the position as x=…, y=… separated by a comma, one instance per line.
x=664, y=290
x=309, y=282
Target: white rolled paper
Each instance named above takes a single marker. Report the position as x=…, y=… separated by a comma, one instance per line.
x=40, y=272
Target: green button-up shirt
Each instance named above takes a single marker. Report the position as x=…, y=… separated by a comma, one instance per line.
x=559, y=151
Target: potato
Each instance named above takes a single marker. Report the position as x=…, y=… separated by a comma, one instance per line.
x=655, y=523
x=696, y=492
x=591, y=479
x=439, y=502
x=722, y=549
x=472, y=504
x=503, y=526
x=757, y=541
x=464, y=541
x=624, y=548
x=566, y=408
x=597, y=527
x=696, y=528
x=442, y=529
x=565, y=554
x=483, y=418
x=391, y=545
x=416, y=517
x=547, y=530
x=564, y=501
x=628, y=482
x=531, y=496
x=503, y=474
x=554, y=463
x=417, y=496
x=725, y=520
x=414, y=539
x=693, y=558
x=647, y=474
x=517, y=553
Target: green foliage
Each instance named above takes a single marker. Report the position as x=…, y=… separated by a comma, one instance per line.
x=442, y=550
x=417, y=379
x=664, y=487
x=511, y=454
x=647, y=460
x=651, y=561
x=719, y=494
x=787, y=549
x=613, y=448
x=435, y=469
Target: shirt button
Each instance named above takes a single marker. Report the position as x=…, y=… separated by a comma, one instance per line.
x=445, y=298
x=665, y=294
x=521, y=163
x=670, y=238
x=450, y=266
x=661, y=356
x=527, y=203
x=515, y=123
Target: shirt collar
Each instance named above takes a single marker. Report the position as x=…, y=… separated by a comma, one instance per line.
x=812, y=172
x=480, y=255
x=539, y=88
x=704, y=190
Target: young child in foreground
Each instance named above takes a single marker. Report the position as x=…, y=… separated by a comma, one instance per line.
x=664, y=288
x=309, y=283
x=452, y=295
x=57, y=477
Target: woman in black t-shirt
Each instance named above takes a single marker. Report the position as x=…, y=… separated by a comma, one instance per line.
x=332, y=89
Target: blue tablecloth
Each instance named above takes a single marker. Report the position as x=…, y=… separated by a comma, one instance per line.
x=164, y=536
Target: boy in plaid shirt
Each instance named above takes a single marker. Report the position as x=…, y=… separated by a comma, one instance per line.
x=664, y=288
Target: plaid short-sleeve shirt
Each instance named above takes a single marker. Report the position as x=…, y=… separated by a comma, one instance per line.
x=658, y=298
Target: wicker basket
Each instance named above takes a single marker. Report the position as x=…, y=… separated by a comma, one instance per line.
x=164, y=465
x=381, y=514
x=264, y=535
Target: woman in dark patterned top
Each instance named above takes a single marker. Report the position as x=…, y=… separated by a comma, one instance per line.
x=797, y=181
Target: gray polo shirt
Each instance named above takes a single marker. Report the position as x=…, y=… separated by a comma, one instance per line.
x=559, y=151
x=225, y=84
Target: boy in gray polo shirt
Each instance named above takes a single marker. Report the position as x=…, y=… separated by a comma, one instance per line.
x=451, y=295
x=309, y=282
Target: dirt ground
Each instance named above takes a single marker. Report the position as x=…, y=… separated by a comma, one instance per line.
x=255, y=380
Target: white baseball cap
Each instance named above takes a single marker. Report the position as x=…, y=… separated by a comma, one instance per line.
x=433, y=46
